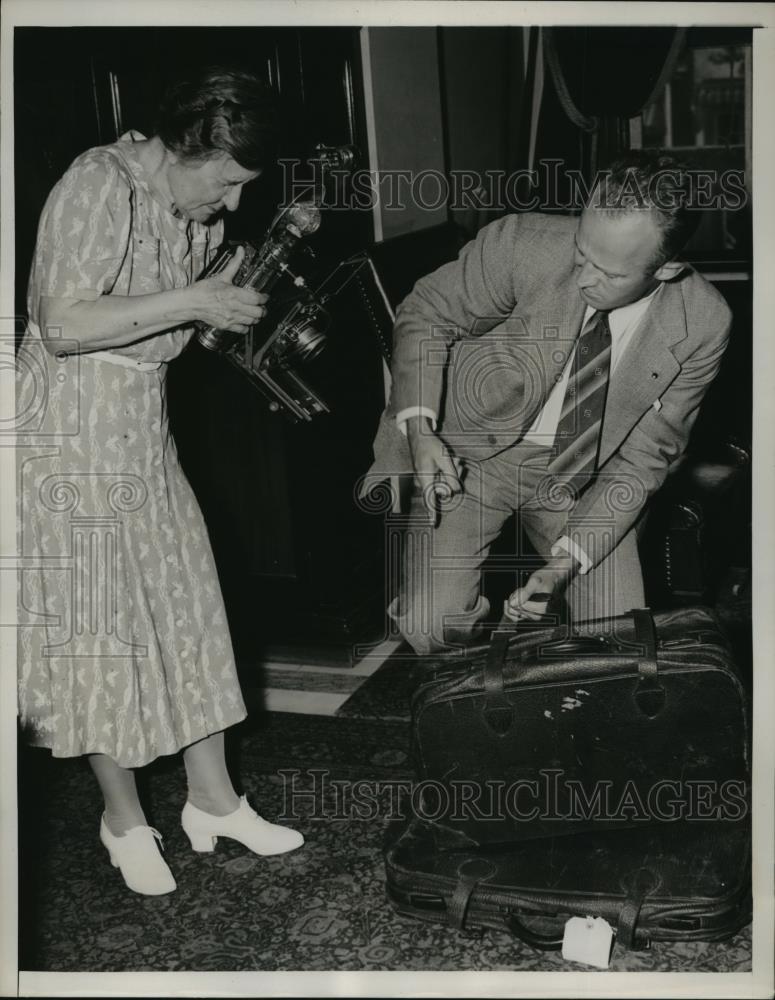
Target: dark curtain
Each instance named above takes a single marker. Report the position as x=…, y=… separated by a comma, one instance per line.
x=599, y=78
x=609, y=71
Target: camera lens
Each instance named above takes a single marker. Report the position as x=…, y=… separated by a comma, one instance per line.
x=307, y=341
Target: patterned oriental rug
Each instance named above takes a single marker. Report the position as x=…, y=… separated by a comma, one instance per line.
x=320, y=908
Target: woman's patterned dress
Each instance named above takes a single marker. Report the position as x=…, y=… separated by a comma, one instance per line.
x=124, y=647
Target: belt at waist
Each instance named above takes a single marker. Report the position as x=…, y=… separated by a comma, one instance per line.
x=125, y=361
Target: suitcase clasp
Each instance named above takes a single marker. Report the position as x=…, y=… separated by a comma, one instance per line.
x=650, y=697
x=499, y=718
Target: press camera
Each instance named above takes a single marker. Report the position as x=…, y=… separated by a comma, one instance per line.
x=294, y=333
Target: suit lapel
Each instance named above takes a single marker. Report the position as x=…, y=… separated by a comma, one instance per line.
x=646, y=369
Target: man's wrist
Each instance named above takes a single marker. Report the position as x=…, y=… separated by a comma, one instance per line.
x=564, y=566
x=419, y=425
x=415, y=411
x=567, y=546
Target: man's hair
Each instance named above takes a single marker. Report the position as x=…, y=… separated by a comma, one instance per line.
x=220, y=110
x=644, y=180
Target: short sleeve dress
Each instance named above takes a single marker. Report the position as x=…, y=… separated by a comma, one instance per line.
x=124, y=646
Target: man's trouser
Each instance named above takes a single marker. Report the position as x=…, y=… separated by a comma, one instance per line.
x=440, y=604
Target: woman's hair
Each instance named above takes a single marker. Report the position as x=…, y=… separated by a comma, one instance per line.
x=220, y=110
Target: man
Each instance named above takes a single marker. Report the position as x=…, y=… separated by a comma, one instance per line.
x=555, y=369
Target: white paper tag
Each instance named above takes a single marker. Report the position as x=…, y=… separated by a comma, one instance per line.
x=588, y=940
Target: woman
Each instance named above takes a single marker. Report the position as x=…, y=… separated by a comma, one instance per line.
x=135, y=659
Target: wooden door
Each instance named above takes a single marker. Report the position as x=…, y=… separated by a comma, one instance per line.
x=294, y=551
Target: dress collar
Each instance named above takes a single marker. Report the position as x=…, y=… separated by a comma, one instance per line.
x=127, y=146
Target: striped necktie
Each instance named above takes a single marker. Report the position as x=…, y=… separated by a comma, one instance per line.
x=578, y=431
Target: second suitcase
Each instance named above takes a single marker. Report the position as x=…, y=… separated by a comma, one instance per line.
x=678, y=881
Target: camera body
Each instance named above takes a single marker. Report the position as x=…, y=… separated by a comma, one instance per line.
x=296, y=333
x=263, y=266
x=292, y=333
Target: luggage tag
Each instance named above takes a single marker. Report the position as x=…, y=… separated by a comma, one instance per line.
x=588, y=940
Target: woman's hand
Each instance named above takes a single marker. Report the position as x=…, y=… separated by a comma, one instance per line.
x=219, y=303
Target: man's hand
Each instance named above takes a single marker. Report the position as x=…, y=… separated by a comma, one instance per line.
x=433, y=462
x=532, y=600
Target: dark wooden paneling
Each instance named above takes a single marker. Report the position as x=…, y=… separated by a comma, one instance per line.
x=294, y=551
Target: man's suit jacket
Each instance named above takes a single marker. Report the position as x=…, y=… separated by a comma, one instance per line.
x=482, y=340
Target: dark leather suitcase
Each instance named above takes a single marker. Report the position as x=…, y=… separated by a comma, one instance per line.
x=621, y=722
x=679, y=881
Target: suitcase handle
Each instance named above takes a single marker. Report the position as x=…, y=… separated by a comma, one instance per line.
x=645, y=636
x=649, y=695
x=626, y=932
x=543, y=942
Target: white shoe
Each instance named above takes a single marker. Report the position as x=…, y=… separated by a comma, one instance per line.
x=244, y=825
x=137, y=855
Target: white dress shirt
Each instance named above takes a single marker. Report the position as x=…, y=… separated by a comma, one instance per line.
x=623, y=323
